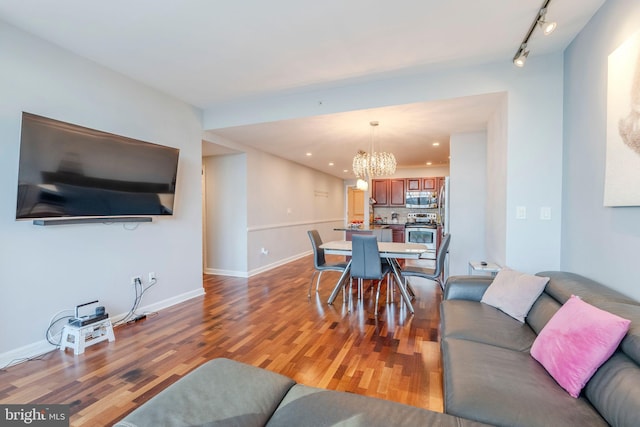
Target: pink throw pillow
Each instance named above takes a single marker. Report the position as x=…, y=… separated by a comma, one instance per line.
x=576, y=341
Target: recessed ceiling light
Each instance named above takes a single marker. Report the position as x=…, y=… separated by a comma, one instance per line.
x=345, y=170
x=330, y=163
x=428, y=163
x=436, y=144
x=308, y=154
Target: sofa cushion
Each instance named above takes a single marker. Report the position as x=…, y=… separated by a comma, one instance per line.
x=631, y=342
x=503, y=387
x=514, y=292
x=316, y=407
x=482, y=323
x=576, y=341
x=613, y=390
x=542, y=311
x=470, y=288
x=563, y=284
x=215, y=394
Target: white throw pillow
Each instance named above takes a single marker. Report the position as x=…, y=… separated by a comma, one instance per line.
x=514, y=292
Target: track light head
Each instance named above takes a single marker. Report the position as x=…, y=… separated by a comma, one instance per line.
x=521, y=57
x=548, y=27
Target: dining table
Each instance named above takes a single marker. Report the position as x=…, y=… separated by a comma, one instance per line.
x=392, y=251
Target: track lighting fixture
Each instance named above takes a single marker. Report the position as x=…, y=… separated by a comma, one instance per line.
x=521, y=56
x=547, y=28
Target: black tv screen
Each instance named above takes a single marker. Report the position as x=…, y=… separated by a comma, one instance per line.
x=67, y=170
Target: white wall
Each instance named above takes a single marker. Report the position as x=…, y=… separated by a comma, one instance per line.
x=496, y=185
x=47, y=269
x=468, y=195
x=599, y=242
x=226, y=214
x=532, y=147
x=282, y=201
x=534, y=167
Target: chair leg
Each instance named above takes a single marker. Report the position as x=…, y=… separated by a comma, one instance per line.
x=344, y=290
x=410, y=290
x=311, y=283
x=378, y=296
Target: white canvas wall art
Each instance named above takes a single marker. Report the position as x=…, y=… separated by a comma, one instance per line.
x=622, y=173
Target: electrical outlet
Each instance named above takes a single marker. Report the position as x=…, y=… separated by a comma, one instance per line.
x=152, y=276
x=136, y=279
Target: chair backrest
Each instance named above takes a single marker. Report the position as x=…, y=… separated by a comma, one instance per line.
x=318, y=252
x=442, y=253
x=365, y=257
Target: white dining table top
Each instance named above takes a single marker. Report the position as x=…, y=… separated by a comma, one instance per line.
x=386, y=249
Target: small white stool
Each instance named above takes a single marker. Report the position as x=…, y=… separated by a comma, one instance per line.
x=80, y=337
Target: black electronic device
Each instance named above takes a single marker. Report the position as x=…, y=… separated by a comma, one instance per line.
x=83, y=320
x=69, y=171
x=88, y=320
x=483, y=263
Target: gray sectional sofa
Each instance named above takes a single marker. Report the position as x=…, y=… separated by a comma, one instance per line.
x=223, y=392
x=490, y=376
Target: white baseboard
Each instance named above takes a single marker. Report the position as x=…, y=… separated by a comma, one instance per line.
x=277, y=264
x=234, y=273
x=29, y=351
x=22, y=354
x=220, y=272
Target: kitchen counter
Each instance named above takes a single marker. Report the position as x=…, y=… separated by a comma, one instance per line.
x=371, y=227
x=384, y=233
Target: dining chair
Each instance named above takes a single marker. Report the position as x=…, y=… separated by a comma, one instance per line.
x=366, y=263
x=319, y=261
x=430, y=273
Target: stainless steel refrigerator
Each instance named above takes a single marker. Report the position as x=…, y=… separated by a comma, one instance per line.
x=444, y=207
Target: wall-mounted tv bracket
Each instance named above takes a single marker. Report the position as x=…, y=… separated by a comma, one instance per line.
x=105, y=220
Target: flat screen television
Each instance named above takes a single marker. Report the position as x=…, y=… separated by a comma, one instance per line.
x=70, y=171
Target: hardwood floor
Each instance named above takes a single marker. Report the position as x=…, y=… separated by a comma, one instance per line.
x=266, y=321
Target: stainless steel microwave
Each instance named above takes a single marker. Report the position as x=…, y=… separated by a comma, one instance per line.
x=421, y=199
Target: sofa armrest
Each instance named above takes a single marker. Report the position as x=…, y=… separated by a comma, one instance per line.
x=466, y=287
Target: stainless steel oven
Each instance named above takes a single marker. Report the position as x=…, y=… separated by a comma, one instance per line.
x=424, y=235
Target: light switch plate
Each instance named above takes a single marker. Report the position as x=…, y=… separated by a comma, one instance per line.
x=545, y=213
x=521, y=212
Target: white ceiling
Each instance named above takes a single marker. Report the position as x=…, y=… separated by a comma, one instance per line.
x=208, y=52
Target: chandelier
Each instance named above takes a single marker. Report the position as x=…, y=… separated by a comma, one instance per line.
x=373, y=164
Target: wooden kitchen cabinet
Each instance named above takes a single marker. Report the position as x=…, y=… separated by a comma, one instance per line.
x=397, y=191
x=380, y=191
x=388, y=192
x=397, y=233
x=429, y=184
x=414, y=184
x=422, y=184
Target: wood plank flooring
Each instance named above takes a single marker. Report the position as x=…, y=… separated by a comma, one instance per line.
x=266, y=321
